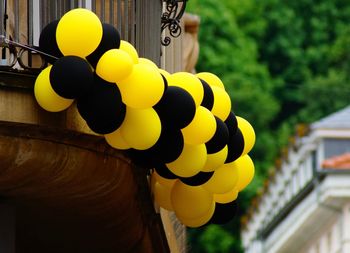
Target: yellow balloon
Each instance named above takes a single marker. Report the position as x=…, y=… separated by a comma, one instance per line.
x=190, y=83
x=143, y=88
x=164, y=181
x=130, y=49
x=222, y=103
x=148, y=61
x=215, y=160
x=190, y=161
x=226, y=197
x=162, y=195
x=190, y=202
x=248, y=134
x=198, y=221
x=114, y=65
x=164, y=73
x=224, y=179
x=211, y=79
x=141, y=128
x=46, y=97
x=116, y=140
x=79, y=32
x=201, y=129
x=245, y=170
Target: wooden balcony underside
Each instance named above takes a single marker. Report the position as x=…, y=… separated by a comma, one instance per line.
x=73, y=193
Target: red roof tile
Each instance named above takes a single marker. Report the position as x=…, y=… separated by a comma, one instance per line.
x=337, y=162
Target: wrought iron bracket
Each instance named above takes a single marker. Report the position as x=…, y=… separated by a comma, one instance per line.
x=174, y=10
x=16, y=51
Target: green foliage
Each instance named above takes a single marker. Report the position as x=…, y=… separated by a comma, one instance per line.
x=215, y=239
x=283, y=63
x=326, y=94
x=230, y=53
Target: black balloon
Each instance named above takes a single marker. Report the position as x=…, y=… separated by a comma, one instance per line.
x=163, y=171
x=220, y=138
x=208, y=98
x=197, y=179
x=165, y=83
x=102, y=108
x=141, y=158
x=71, y=77
x=235, y=146
x=168, y=147
x=231, y=123
x=224, y=213
x=101, y=127
x=110, y=40
x=176, y=108
x=48, y=43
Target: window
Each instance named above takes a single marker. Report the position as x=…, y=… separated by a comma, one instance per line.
x=334, y=147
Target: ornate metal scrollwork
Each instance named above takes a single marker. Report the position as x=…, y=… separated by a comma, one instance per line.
x=174, y=9
x=16, y=55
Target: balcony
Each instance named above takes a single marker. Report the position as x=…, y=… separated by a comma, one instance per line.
x=307, y=187
x=22, y=21
x=63, y=189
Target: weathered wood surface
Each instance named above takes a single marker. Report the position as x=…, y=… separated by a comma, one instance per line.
x=72, y=193
x=18, y=104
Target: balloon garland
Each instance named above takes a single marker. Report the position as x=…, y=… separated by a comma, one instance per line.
x=179, y=125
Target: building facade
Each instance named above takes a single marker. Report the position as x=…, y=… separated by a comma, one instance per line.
x=62, y=189
x=305, y=205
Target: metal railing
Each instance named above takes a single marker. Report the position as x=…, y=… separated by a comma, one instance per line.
x=138, y=22
x=292, y=183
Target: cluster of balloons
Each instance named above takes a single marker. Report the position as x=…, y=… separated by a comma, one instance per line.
x=209, y=195
x=179, y=125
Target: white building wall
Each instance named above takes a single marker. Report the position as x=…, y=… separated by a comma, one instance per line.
x=345, y=237
x=328, y=240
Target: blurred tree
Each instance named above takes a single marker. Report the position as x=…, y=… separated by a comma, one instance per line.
x=230, y=53
x=299, y=47
x=214, y=239
x=282, y=62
